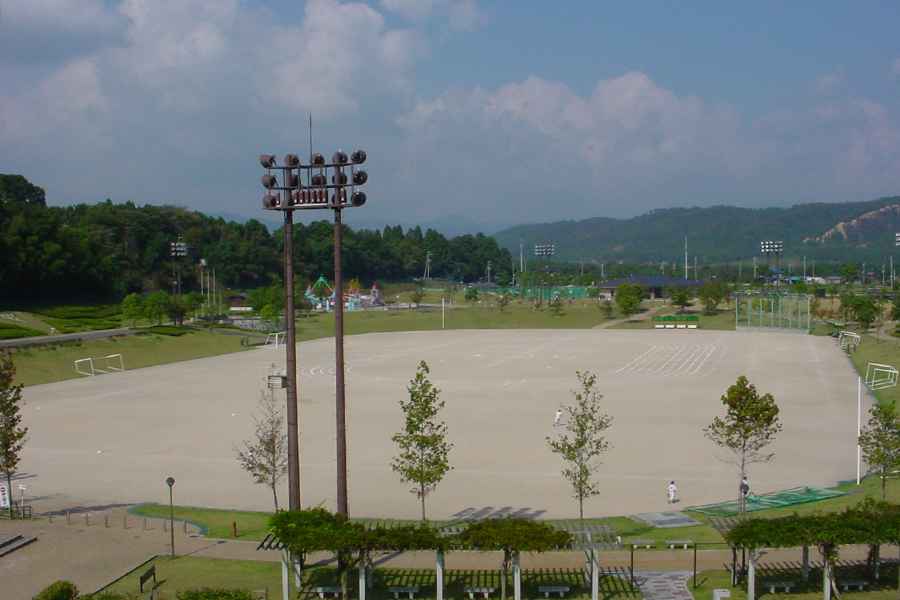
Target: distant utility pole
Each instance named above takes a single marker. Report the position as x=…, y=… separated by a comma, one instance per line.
x=685, y=258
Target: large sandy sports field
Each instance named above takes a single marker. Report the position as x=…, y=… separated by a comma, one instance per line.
x=116, y=438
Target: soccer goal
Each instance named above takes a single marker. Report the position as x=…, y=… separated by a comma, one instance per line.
x=100, y=365
x=275, y=339
x=879, y=376
x=848, y=339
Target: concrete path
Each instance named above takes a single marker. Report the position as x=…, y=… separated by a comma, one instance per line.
x=663, y=585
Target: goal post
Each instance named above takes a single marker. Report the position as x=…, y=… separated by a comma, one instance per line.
x=99, y=365
x=275, y=339
x=879, y=377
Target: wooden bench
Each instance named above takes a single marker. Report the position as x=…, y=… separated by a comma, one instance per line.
x=396, y=590
x=774, y=585
x=859, y=584
x=639, y=543
x=546, y=590
x=683, y=543
x=471, y=591
x=325, y=590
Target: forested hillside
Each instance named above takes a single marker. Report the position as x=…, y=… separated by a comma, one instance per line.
x=116, y=249
x=859, y=231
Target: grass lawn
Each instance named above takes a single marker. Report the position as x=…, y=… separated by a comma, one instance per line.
x=56, y=362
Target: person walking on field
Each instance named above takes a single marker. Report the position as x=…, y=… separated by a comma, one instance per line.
x=557, y=418
x=671, y=493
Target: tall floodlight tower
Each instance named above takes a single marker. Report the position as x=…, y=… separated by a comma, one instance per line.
x=319, y=192
x=546, y=250
x=768, y=248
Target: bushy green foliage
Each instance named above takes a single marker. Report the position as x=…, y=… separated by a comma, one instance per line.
x=214, y=594
x=59, y=590
x=80, y=312
x=168, y=330
x=13, y=332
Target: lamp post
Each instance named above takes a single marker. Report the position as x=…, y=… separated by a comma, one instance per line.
x=768, y=248
x=170, y=481
x=546, y=250
x=314, y=194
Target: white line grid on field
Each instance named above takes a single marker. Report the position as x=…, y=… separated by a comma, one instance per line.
x=658, y=362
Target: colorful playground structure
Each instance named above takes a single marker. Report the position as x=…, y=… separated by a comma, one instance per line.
x=322, y=296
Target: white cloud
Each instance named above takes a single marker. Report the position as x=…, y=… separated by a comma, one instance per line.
x=178, y=89
x=633, y=141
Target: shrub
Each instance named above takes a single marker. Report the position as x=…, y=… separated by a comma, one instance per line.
x=167, y=330
x=60, y=590
x=11, y=332
x=214, y=594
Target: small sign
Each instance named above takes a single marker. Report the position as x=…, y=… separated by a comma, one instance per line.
x=4, y=497
x=23, y=487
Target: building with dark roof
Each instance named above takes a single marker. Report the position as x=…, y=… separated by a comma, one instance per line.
x=655, y=283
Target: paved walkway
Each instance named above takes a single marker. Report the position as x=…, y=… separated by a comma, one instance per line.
x=663, y=585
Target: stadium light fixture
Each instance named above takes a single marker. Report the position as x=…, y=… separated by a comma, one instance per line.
x=287, y=193
x=546, y=250
x=768, y=248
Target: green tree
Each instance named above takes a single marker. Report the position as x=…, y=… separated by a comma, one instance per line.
x=12, y=436
x=583, y=443
x=471, y=295
x=133, y=308
x=511, y=536
x=424, y=450
x=157, y=306
x=849, y=273
x=416, y=296
x=750, y=424
x=681, y=297
x=712, y=294
x=879, y=441
x=266, y=457
x=628, y=298
x=15, y=188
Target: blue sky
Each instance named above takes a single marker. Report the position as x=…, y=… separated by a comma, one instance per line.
x=498, y=112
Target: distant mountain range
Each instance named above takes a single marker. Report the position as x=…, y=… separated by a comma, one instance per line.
x=840, y=232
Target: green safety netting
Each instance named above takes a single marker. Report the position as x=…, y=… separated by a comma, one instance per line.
x=798, y=495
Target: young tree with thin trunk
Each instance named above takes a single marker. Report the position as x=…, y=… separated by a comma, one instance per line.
x=750, y=424
x=12, y=436
x=266, y=457
x=583, y=443
x=424, y=450
x=880, y=443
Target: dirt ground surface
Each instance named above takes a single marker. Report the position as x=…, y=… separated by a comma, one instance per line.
x=114, y=439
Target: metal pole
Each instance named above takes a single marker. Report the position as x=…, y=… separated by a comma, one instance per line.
x=171, y=482
x=340, y=400
x=293, y=433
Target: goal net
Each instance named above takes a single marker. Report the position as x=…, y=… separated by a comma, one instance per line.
x=879, y=377
x=275, y=339
x=100, y=365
